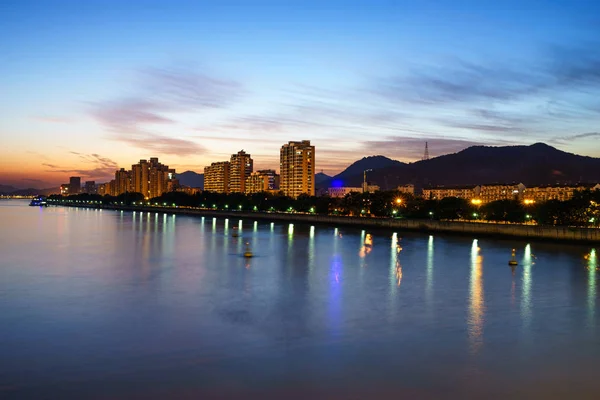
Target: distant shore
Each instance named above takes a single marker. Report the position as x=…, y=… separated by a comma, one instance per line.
x=537, y=232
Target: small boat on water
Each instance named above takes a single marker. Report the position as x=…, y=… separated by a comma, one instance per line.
x=39, y=201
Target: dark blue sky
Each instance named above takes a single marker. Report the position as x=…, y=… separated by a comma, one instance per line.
x=91, y=85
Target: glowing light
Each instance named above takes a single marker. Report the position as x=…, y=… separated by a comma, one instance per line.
x=528, y=201
x=476, y=201
x=291, y=229
x=476, y=305
x=398, y=201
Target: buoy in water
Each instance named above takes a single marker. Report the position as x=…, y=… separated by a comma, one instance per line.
x=513, y=260
x=248, y=253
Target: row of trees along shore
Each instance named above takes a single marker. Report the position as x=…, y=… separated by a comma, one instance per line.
x=582, y=210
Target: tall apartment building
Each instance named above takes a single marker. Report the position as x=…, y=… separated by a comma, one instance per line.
x=216, y=177
x=240, y=168
x=74, y=185
x=266, y=180
x=297, y=168
x=90, y=187
x=140, y=178
x=150, y=178
x=123, y=182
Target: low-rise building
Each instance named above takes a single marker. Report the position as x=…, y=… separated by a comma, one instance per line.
x=342, y=191
x=408, y=188
x=495, y=192
x=266, y=180
x=441, y=192
x=554, y=192
x=90, y=187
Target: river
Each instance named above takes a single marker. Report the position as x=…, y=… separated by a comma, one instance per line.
x=107, y=304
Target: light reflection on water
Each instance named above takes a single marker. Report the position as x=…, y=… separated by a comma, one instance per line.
x=477, y=304
x=169, y=301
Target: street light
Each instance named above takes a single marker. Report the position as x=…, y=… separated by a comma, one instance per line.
x=398, y=200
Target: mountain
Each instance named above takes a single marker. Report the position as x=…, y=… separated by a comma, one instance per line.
x=191, y=179
x=537, y=164
x=322, y=181
x=372, y=162
x=6, y=189
x=27, y=192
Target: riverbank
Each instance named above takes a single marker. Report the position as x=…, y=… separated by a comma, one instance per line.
x=551, y=233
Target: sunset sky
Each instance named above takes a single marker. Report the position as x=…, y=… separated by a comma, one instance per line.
x=89, y=86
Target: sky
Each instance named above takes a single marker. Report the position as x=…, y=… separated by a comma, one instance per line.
x=87, y=87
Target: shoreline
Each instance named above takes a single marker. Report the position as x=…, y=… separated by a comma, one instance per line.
x=505, y=231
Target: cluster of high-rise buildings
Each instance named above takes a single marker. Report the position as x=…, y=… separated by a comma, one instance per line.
x=151, y=178
x=296, y=173
x=148, y=177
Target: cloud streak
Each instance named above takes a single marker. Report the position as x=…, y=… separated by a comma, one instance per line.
x=136, y=120
x=99, y=167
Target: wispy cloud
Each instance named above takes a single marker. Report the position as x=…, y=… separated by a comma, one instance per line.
x=98, y=167
x=569, y=138
x=159, y=93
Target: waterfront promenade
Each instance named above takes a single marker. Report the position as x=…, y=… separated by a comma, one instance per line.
x=537, y=232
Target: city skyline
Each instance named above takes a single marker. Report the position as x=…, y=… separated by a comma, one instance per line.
x=89, y=88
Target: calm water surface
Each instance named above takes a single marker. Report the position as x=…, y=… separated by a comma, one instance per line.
x=106, y=304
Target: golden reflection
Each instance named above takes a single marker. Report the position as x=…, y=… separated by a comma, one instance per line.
x=477, y=303
x=592, y=267
x=366, y=246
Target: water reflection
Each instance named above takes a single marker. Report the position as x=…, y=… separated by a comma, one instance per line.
x=335, y=288
x=476, y=306
x=394, y=262
x=429, y=277
x=366, y=245
x=526, y=290
x=592, y=266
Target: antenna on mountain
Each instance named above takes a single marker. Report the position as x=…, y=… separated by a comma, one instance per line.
x=426, y=155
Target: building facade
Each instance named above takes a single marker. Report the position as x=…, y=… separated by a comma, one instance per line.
x=489, y=193
x=462, y=192
x=74, y=185
x=90, y=187
x=343, y=191
x=297, y=168
x=408, y=188
x=123, y=182
x=262, y=181
x=150, y=178
x=240, y=168
x=555, y=192
x=216, y=177
x=140, y=178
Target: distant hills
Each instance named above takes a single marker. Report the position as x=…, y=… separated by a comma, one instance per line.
x=11, y=190
x=191, y=179
x=537, y=164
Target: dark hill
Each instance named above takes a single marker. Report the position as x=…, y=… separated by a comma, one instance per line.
x=372, y=162
x=532, y=165
x=191, y=179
